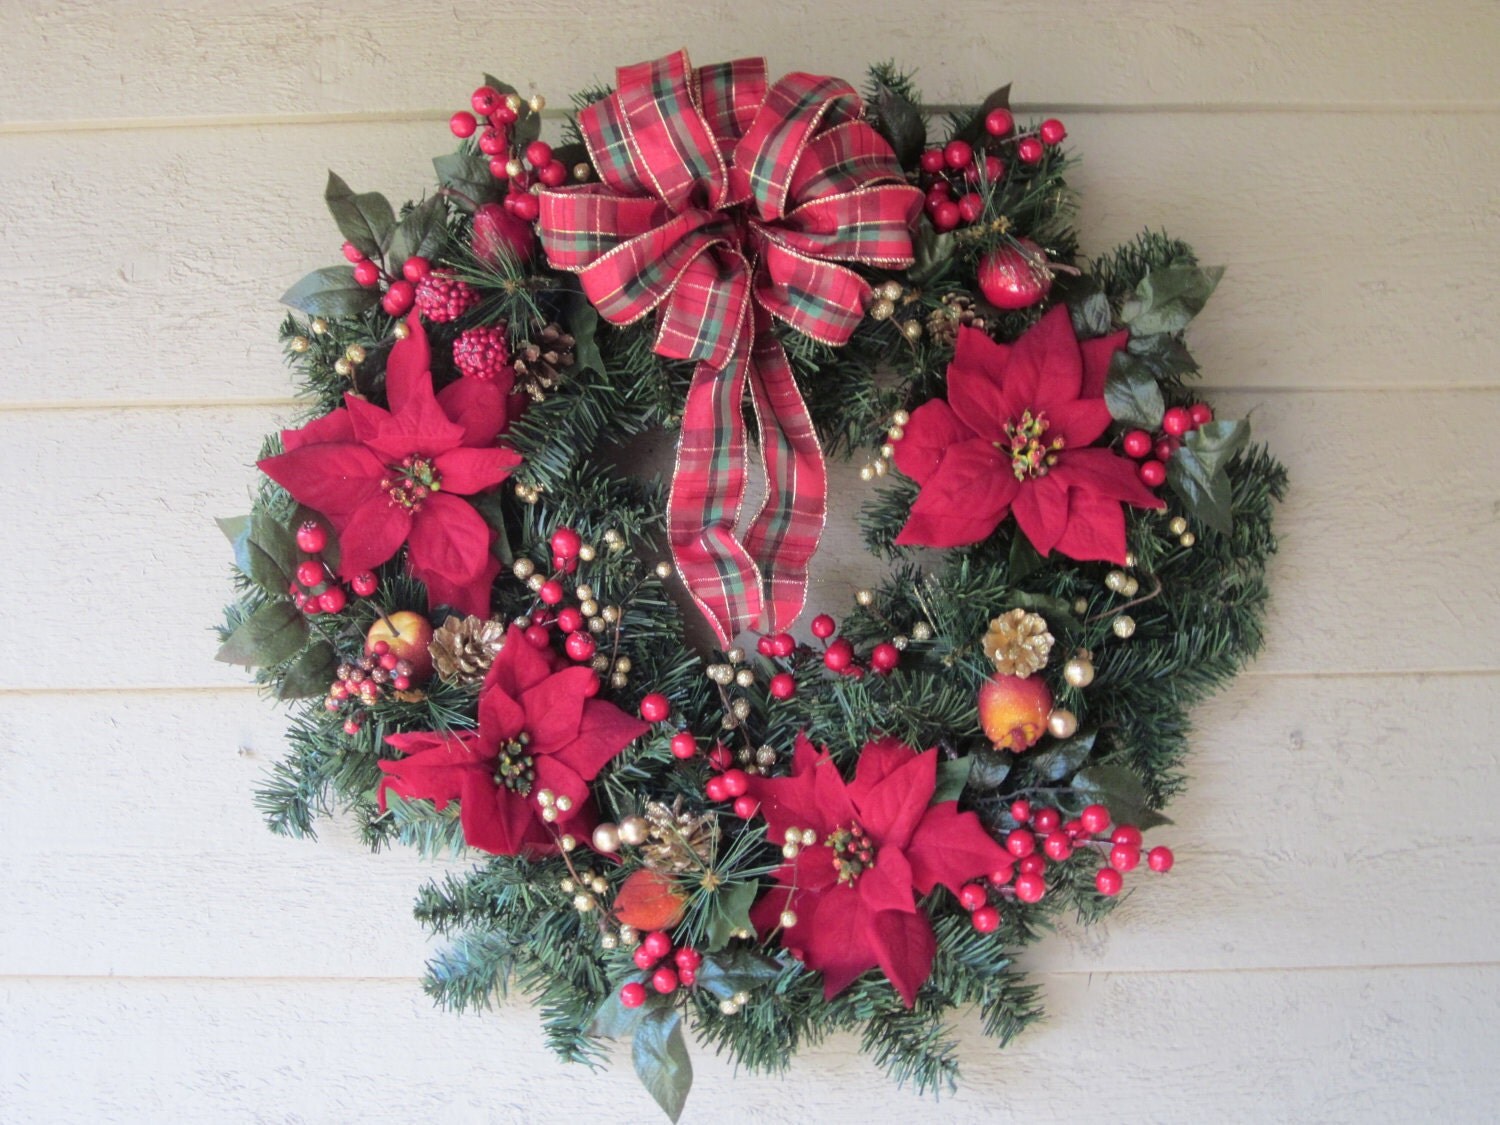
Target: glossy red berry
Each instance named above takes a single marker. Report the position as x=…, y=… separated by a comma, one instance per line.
x=462, y=124
x=720, y=757
x=538, y=153
x=565, y=542
x=415, y=268
x=1020, y=811
x=957, y=154
x=1177, y=421
x=737, y=782
x=657, y=944
x=687, y=958
x=1108, y=881
x=537, y=636
x=1058, y=846
x=1002, y=875
x=684, y=745
x=351, y=726
x=1030, y=888
x=310, y=573
x=945, y=216
x=664, y=980
x=823, y=626
x=783, y=645
x=311, y=538
x=971, y=896
x=400, y=683
x=745, y=807
x=554, y=173
x=999, y=122
x=1052, y=131
x=398, y=298
x=1094, y=818
x=839, y=656
x=333, y=600
x=486, y=100
x=1032, y=865
x=1046, y=820
x=1201, y=414
x=932, y=161
x=494, y=142
x=1153, y=473
x=1160, y=859
x=655, y=707
x=550, y=592
x=367, y=273
x=526, y=207
x=782, y=686
x=1029, y=150
x=1137, y=444
x=570, y=619
x=885, y=657
x=1123, y=857
x=715, y=789
x=364, y=584
x=764, y=646
x=970, y=207
x=1165, y=448
x=580, y=646
x=1126, y=834
x=1020, y=842
x=352, y=253
x=504, y=115
x=986, y=919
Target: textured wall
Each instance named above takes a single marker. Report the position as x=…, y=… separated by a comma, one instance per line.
x=1326, y=948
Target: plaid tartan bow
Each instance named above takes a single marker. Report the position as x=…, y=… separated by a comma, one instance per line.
x=724, y=202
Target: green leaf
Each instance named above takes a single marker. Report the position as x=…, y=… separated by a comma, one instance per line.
x=583, y=323
x=237, y=530
x=1214, y=444
x=271, y=551
x=933, y=253
x=1092, y=316
x=1062, y=759
x=661, y=1060
x=310, y=674
x=268, y=636
x=1207, y=494
x=731, y=913
x=739, y=970
x=901, y=123
x=1024, y=558
x=1166, y=299
x=1119, y=790
x=422, y=232
x=468, y=174
x=952, y=776
x=1164, y=355
x=364, y=219
x=614, y=1020
x=1132, y=394
x=331, y=291
x=989, y=770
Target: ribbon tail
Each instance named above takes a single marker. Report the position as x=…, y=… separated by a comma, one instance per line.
x=784, y=535
x=708, y=490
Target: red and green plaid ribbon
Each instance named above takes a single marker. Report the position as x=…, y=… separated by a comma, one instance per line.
x=725, y=201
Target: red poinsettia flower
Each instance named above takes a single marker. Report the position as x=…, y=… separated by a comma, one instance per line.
x=879, y=845
x=1014, y=438
x=538, y=730
x=388, y=477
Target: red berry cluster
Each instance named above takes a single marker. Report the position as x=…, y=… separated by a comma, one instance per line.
x=1153, y=452
x=365, y=681
x=665, y=979
x=499, y=113
x=951, y=174
x=578, y=619
x=314, y=588
x=839, y=655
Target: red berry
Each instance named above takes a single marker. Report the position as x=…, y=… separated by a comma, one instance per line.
x=971, y=896
x=688, y=977
x=1075, y=829
x=655, y=707
x=1177, y=421
x=554, y=173
x=569, y=619
x=1002, y=875
x=485, y=100
x=333, y=600
x=389, y=660
x=633, y=995
x=1052, y=131
x=684, y=745
x=932, y=161
x=579, y=646
x=885, y=657
x=642, y=959
x=1058, y=846
x=400, y=683
x=526, y=207
x=839, y=656
x=550, y=592
x=398, y=298
x=537, y=636
x=499, y=171
x=1020, y=842
x=823, y=626
x=657, y=945
x=664, y=980
x=720, y=757
x=1160, y=859
x=1137, y=444
x=565, y=543
x=1126, y=834
x=539, y=617
x=1020, y=811
x=538, y=153
x=462, y=124
x=482, y=353
x=687, y=958
x=956, y=154
x=1123, y=857
x=1029, y=150
x=940, y=192
x=364, y=584
x=1153, y=473
x=736, y=782
x=1032, y=865
x=1046, y=820
x=783, y=686
x=380, y=648
x=1166, y=447
x=986, y=919
x=367, y=273
x=745, y=807
x=504, y=115
x=999, y=122
x=1201, y=414
x=970, y=207
x=311, y=538
x=1108, y=881
x=783, y=644
x=994, y=168
x=415, y=268
x=351, y=726
x=352, y=253
x=494, y=142
x=945, y=216
x=1030, y=888
x=764, y=646
x=310, y=573
x=715, y=789
x=1095, y=819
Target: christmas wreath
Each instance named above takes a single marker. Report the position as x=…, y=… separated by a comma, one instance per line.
x=452, y=571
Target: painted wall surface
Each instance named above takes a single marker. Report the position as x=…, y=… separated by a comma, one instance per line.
x=1327, y=948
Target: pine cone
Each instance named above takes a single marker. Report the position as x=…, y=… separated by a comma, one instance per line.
x=957, y=311
x=540, y=362
x=1019, y=643
x=678, y=842
x=462, y=648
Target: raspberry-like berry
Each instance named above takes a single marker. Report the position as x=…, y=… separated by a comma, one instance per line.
x=442, y=298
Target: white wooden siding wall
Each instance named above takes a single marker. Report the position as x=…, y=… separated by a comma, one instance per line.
x=1326, y=949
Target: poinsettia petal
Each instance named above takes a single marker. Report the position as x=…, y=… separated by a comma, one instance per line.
x=480, y=406
x=975, y=378
x=812, y=797
x=1108, y=474
x=494, y=819
x=816, y=869
x=1077, y=423
x=367, y=420
x=518, y=667
x=408, y=365
x=765, y=912
x=333, y=478
x=891, y=808
x=421, y=429
x=1096, y=529
x=471, y=595
x=448, y=537
x=371, y=535
x=839, y=945
x=1045, y=365
x=604, y=731
x=1097, y=355
x=1041, y=511
x=465, y=471
x=887, y=884
x=434, y=767
x=964, y=500
x=904, y=947
x=334, y=426
x=877, y=760
x=951, y=848
x=933, y=429
x=554, y=708
x=501, y=716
